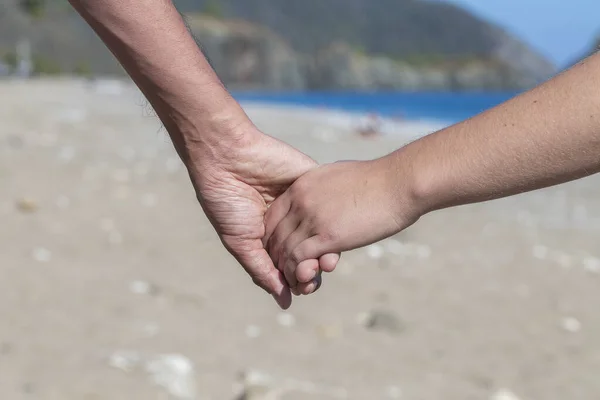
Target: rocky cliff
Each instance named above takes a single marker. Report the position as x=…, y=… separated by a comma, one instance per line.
x=337, y=44
x=250, y=56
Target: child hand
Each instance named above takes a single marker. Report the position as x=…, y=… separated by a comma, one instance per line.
x=330, y=209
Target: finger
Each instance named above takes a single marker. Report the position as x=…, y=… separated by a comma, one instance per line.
x=307, y=270
x=281, y=233
x=309, y=249
x=310, y=287
x=300, y=234
x=260, y=267
x=328, y=262
x=275, y=214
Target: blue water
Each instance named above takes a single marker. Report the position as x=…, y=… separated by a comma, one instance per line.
x=447, y=107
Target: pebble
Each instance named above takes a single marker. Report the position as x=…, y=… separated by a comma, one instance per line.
x=121, y=193
x=47, y=139
x=286, y=319
x=141, y=287
x=540, y=252
x=504, y=394
x=141, y=169
x=253, y=331
x=63, y=202
x=67, y=154
x=330, y=331
x=395, y=247
x=109, y=87
x=126, y=361
x=72, y=115
x=256, y=385
x=107, y=224
x=173, y=165
x=375, y=251
x=327, y=136
x=15, y=142
x=127, y=153
x=423, y=252
x=42, y=255
x=174, y=373
x=591, y=264
x=149, y=200
x=382, y=320
x=393, y=392
x=115, y=238
x=571, y=325
x=27, y=205
x=150, y=330
x=121, y=176
x=563, y=259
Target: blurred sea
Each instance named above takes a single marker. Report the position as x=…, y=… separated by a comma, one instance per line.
x=447, y=108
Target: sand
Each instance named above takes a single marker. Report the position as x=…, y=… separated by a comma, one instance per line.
x=114, y=285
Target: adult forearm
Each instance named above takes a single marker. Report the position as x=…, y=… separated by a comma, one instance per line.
x=151, y=41
x=546, y=136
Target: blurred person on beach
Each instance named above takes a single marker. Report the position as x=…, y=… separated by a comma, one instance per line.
x=546, y=136
x=236, y=170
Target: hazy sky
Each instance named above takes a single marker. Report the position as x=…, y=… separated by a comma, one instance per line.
x=560, y=29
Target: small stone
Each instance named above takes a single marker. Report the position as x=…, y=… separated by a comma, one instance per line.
x=109, y=87
x=382, y=320
x=330, y=331
x=286, y=319
x=173, y=165
x=591, y=264
x=563, y=259
x=121, y=193
x=327, y=136
x=126, y=361
x=127, y=153
x=73, y=115
x=107, y=224
x=115, y=238
x=142, y=287
x=395, y=247
x=423, y=252
x=5, y=348
x=174, y=373
x=28, y=388
x=141, y=169
x=253, y=331
x=540, y=252
x=66, y=154
x=41, y=255
x=150, y=330
x=393, y=392
x=504, y=394
x=63, y=202
x=256, y=385
x=15, y=141
x=47, y=139
x=27, y=205
x=571, y=325
x=375, y=251
x=362, y=318
x=121, y=176
x=149, y=200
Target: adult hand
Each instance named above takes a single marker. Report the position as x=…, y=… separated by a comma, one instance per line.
x=236, y=185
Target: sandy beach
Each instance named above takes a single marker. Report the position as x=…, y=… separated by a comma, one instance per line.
x=115, y=286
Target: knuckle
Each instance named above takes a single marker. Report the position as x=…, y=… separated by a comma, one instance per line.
x=330, y=236
x=296, y=256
